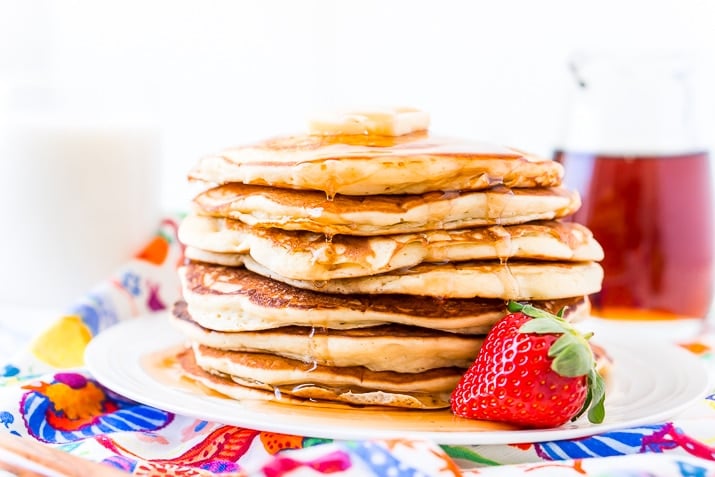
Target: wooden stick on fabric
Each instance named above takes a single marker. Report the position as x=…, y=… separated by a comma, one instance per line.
x=47, y=461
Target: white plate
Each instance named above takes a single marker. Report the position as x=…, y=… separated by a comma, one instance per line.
x=647, y=384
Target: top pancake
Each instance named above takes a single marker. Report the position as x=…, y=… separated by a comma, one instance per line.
x=370, y=164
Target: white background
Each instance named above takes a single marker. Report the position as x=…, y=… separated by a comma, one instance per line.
x=212, y=74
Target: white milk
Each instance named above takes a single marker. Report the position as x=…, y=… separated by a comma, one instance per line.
x=76, y=201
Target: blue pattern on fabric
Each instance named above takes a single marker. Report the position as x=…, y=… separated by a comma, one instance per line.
x=381, y=461
x=97, y=313
x=8, y=371
x=6, y=419
x=131, y=282
x=687, y=469
x=622, y=442
x=120, y=462
x=71, y=407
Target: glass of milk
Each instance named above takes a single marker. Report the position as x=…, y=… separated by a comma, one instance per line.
x=78, y=198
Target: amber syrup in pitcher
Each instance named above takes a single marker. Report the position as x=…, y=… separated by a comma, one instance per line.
x=653, y=216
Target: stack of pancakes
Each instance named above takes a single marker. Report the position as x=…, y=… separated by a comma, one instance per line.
x=364, y=262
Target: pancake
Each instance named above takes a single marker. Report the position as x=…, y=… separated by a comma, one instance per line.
x=370, y=165
x=271, y=370
x=224, y=385
x=238, y=389
x=322, y=396
x=310, y=256
x=236, y=299
x=295, y=378
x=485, y=279
x=216, y=258
x=404, y=349
x=383, y=214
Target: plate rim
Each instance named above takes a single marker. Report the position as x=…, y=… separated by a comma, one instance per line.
x=169, y=336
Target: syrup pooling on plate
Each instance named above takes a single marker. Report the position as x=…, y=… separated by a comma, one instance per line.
x=163, y=366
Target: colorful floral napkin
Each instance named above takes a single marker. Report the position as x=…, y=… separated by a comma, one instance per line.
x=46, y=395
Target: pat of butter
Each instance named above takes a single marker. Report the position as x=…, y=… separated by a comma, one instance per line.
x=375, y=121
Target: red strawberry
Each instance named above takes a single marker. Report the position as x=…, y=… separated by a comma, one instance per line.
x=533, y=370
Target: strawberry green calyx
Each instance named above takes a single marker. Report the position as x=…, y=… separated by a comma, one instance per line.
x=571, y=354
